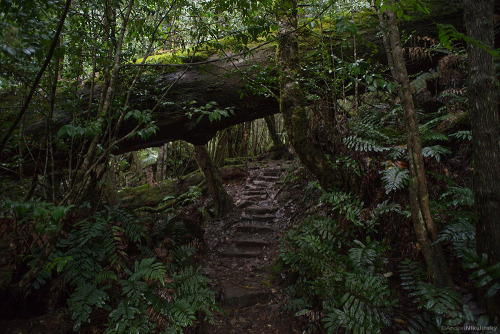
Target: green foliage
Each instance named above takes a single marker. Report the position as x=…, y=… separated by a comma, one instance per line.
x=211, y=110
x=394, y=178
x=435, y=152
x=341, y=276
x=359, y=312
x=94, y=259
x=363, y=145
x=463, y=135
x=440, y=306
x=486, y=276
x=83, y=300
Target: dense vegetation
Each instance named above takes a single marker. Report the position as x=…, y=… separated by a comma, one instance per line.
x=389, y=107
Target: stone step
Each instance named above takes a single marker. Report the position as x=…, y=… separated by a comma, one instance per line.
x=254, y=192
x=265, y=184
x=271, y=172
x=253, y=198
x=247, y=202
x=241, y=253
x=260, y=210
x=267, y=178
x=257, y=218
x=253, y=228
x=244, y=297
x=250, y=242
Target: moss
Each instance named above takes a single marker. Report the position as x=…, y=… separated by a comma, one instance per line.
x=146, y=194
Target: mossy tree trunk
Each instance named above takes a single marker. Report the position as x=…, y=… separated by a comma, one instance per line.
x=483, y=105
x=295, y=115
x=424, y=226
x=271, y=128
x=221, y=199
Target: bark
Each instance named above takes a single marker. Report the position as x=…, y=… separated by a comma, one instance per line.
x=221, y=199
x=271, y=127
x=483, y=106
x=424, y=226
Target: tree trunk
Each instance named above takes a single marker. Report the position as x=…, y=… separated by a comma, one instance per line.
x=424, y=226
x=295, y=115
x=221, y=199
x=271, y=127
x=483, y=105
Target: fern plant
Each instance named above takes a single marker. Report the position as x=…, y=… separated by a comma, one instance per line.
x=394, y=178
x=144, y=298
x=365, y=306
x=345, y=280
x=439, y=306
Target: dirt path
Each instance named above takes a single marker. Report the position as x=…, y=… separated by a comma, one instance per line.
x=241, y=251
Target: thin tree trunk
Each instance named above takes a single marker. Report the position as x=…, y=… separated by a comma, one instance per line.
x=271, y=127
x=221, y=199
x=424, y=226
x=483, y=105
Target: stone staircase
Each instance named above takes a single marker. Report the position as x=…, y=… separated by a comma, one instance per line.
x=242, y=250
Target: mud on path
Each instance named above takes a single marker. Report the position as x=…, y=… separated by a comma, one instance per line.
x=241, y=250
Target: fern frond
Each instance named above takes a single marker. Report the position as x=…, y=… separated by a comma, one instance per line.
x=367, y=258
x=365, y=307
x=463, y=135
x=82, y=301
x=460, y=196
x=394, y=178
x=435, y=152
x=363, y=145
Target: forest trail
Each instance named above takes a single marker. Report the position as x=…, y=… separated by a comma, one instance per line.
x=241, y=250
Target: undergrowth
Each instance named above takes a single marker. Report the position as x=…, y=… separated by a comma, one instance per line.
x=341, y=278
x=111, y=271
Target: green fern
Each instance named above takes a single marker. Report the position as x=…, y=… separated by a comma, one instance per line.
x=363, y=145
x=364, y=307
x=486, y=276
x=435, y=152
x=381, y=209
x=461, y=196
x=441, y=305
x=83, y=300
x=394, y=178
x=463, y=135
x=366, y=258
